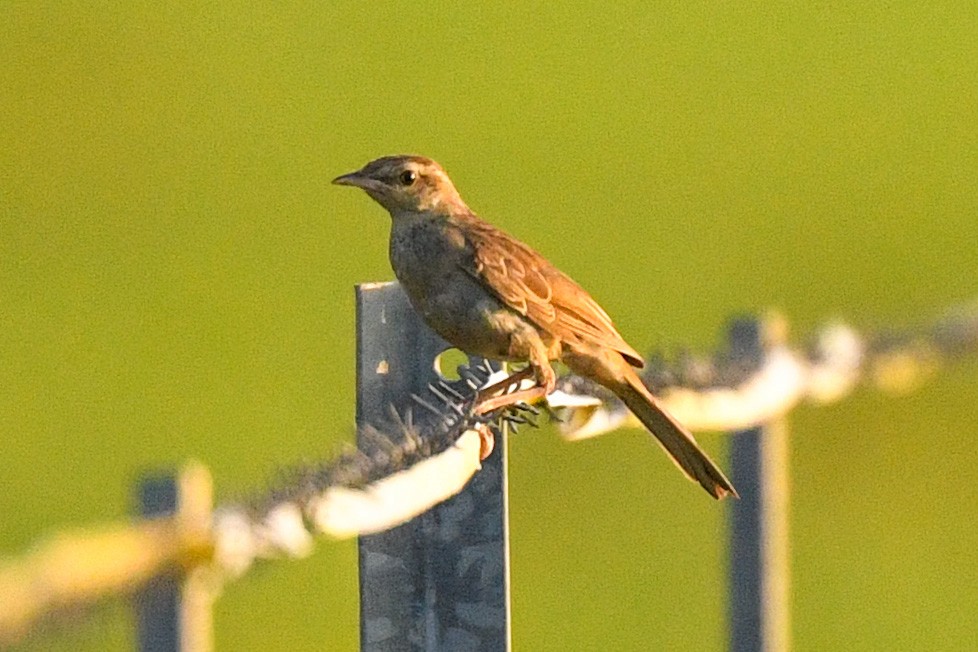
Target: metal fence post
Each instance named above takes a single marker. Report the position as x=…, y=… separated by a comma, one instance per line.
x=157, y=603
x=440, y=581
x=759, y=567
x=173, y=609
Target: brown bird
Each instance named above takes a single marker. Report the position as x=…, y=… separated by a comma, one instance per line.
x=489, y=294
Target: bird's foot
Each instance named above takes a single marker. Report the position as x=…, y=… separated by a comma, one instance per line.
x=487, y=441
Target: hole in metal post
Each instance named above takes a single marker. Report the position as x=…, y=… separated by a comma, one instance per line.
x=447, y=363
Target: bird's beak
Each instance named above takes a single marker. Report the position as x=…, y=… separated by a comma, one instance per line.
x=357, y=179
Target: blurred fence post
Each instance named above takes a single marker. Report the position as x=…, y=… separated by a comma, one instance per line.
x=173, y=609
x=440, y=581
x=759, y=607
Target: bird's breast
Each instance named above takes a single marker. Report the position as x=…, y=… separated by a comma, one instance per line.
x=429, y=259
x=424, y=252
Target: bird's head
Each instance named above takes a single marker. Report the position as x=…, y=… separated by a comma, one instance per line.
x=406, y=184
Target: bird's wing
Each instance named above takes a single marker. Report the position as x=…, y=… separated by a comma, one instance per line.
x=528, y=283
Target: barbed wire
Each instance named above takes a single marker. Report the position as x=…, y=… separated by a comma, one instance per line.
x=740, y=388
x=400, y=469
x=429, y=453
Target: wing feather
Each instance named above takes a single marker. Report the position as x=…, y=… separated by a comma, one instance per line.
x=528, y=283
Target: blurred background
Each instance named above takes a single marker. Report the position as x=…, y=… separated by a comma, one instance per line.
x=176, y=280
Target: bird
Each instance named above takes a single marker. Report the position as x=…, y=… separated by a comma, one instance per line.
x=489, y=294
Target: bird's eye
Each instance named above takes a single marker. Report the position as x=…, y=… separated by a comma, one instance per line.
x=407, y=177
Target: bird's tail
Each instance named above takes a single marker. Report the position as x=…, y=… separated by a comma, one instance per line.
x=674, y=438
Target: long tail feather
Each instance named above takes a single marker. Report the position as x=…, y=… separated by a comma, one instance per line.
x=674, y=438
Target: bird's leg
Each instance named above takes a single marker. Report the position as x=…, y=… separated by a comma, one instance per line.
x=505, y=383
x=523, y=396
x=539, y=368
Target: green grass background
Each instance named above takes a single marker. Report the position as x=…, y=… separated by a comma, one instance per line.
x=176, y=279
